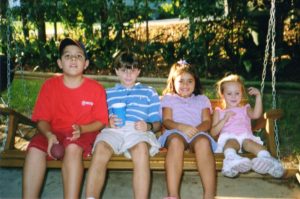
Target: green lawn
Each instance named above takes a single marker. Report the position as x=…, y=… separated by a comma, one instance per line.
x=24, y=93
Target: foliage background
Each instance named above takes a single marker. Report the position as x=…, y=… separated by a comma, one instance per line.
x=219, y=36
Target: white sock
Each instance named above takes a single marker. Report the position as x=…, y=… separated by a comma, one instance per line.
x=263, y=153
x=90, y=198
x=230, y=153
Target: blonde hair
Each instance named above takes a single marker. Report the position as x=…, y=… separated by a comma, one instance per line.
x=177, y=69
x=230, y=78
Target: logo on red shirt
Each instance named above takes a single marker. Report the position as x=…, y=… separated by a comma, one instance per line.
x=87, y=103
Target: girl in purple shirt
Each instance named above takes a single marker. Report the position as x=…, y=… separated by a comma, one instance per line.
x=186, y=115
x=232, y=125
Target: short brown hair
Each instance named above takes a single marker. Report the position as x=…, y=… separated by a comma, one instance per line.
x=126, y=60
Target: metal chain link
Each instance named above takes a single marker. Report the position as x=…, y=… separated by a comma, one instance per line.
x=8, y=74
x=271, y=38
x=8, y=54
x=267, y=49
x=273, y=68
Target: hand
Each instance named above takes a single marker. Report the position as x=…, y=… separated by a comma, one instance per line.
x=253, y=91
x=228, y=115
x=141, y=126
x=52, y=139
x=76, y=132
x=114, y=121
x=189, y=130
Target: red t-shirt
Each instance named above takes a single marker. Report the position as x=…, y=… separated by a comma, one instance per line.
x=62, y=106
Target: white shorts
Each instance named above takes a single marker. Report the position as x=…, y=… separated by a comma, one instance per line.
x=124, y=138
x=240, y=138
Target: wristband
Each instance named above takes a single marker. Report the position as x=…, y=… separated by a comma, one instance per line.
x=151, y=126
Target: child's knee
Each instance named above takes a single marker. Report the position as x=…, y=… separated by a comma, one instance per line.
x=247, y=143
x=232, y=143
x=102, y=148
x=140, y=148
x=73, y=150
x=175, y=141
x=202, y=141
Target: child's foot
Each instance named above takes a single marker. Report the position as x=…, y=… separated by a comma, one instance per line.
x=277, y=171
x=270, y=165
x=169, y=198
x=233, y=166
x=262, y=165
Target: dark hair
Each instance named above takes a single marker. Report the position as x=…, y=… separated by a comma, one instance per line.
x=126, y=60
x=67, y=42
x=177, y=69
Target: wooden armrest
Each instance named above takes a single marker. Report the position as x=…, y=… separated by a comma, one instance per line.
x=14, y=119
x=270, y=117
x=273, y=114
x=21, y=118
x=259, y=124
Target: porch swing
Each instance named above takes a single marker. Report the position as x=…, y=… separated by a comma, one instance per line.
x=12, y=157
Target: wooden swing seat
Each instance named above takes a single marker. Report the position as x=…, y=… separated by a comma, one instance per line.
x=12, y=157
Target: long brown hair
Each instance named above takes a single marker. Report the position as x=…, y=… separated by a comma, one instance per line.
x=177, y=69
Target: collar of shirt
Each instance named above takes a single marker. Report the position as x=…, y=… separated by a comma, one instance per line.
x=120, y=86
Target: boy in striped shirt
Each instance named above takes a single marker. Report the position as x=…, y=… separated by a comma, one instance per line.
x=135, y=139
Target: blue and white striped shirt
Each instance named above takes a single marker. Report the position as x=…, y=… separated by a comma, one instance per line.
x=142, y=102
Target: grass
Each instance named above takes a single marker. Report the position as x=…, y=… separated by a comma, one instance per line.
x=24, y=94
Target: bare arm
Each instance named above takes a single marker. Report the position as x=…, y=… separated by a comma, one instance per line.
x=205, y=125
x=256, y=112
x=45, y=128
x=218, y=123
x=91, y=127
x=189, y=130
x=168, y=119
x=147, y=126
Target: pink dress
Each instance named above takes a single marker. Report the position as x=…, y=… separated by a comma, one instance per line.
x=237, y=127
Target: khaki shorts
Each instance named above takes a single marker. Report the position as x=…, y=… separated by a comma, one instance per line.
x=124, y=138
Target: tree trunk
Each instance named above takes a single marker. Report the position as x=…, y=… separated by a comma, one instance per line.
x=104, y=21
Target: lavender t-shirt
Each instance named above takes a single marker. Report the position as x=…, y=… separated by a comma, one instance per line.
x=186, y=110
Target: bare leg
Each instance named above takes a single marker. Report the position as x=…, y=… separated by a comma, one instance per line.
x=174, y=164
x=33, y=173
x=264, y=163
x=206, y=166
x=97, y=170
x=72, y=171
x=232, y=143
x=141, y=170
x=233, y=164
x=252, y=147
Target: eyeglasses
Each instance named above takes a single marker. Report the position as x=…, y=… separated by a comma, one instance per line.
x=78, y=57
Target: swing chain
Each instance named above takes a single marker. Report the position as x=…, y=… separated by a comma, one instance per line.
x=271, y=24
x=8, y=52
x=8, y=56
x=271, y=37
x=273, y=68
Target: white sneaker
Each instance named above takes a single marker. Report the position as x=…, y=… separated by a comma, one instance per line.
x=234, y=165
x=270, y=165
